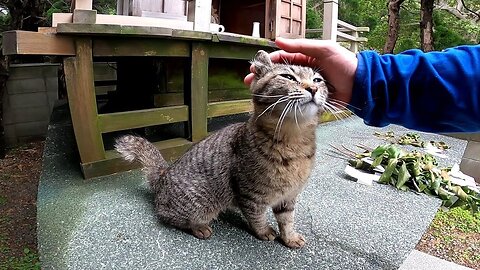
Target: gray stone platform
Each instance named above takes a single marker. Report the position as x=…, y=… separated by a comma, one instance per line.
x=109, y=222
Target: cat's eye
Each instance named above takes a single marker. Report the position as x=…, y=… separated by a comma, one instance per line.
x=288, y=76
x=317, y=80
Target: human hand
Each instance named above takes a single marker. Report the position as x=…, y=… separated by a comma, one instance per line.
x=334, y=62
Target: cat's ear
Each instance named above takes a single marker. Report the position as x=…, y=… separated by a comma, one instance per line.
x=262, y=63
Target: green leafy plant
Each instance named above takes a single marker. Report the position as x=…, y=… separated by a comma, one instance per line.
x=417, y=171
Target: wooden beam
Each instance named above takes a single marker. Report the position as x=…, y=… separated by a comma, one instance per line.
x=226, y=51
x=82, y=102
x=28, y=43
x=199, y=91
x=58, y=18
x=171, y=150
x=112, y=29
x=142, y=47
x=229, y=107
x=142, y=118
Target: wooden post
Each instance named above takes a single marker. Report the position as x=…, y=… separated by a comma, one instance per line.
x=82, y=102
x=354, y=44
x=199, y=91
x=200, y=13
x=330, y=19
x=83, y=4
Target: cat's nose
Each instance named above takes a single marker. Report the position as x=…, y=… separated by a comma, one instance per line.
x=312, y=90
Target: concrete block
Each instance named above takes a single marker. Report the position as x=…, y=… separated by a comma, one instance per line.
x=26, y=71
x=52, y=98
x=10, y=135
x=29, y=114
x=51, y=84
x=471, y=167
x=28, y=100
x=22, y=86
x=472, y=151
x=31, y=129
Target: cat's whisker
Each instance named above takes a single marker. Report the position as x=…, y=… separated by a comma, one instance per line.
x=282, y=118
x=280, y=100
x=295, y=106
x=343, y=103
x=344, y=111
x=267, y=96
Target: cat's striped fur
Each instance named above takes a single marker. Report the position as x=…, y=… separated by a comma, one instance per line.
x=263, y=163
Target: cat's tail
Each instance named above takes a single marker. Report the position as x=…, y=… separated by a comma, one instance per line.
x=137, y=148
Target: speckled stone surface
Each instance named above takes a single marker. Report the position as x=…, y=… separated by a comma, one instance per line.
x=109, y=222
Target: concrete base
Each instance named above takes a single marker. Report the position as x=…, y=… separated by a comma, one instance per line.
x=109, y=222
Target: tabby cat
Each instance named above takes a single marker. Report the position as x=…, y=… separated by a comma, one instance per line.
x=262, y=163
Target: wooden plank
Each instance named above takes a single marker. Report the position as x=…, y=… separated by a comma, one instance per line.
x=173, y=99
x=233, y=51
x=229, y=107
x=142, y=118
x=193, y=35
x=352, y=27
x=47, y=30
x=81, y=99
x=347, y=37
x=199, y=91
x=244, y=39
x=28, y=43
x=171, y=150
x=58, y=18
x=143, y=47
x=112, y=29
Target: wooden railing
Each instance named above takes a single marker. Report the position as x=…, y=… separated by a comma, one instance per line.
x=345, y=33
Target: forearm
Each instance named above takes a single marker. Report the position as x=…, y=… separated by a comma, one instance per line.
x=436, y=92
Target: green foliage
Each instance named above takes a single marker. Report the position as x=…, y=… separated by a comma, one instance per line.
x=449, y=30
x=314, y=17
x=28, y=261
x=457, y=219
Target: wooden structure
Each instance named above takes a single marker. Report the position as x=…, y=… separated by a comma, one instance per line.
x=84, y=39
x=83, y=36
x=337, y=30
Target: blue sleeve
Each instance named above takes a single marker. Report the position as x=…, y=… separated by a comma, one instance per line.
x=433, y=92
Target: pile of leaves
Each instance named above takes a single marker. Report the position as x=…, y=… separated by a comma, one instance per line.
x=417, y=172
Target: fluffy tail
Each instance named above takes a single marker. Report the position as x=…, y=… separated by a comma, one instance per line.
x=137, y=148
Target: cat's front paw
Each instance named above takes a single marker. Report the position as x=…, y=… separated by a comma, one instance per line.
x=294, y=240
x=269, y=234
x=202, y=232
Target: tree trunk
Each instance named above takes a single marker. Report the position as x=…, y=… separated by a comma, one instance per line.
x=393, y=25
x=426, y=25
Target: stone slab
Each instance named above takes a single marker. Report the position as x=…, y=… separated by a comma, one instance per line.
x=109, y=222
x=418, y=260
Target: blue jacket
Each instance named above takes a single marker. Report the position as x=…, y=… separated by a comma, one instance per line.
x=434, y=92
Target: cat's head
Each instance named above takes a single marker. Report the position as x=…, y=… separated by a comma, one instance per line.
x=289, y=90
